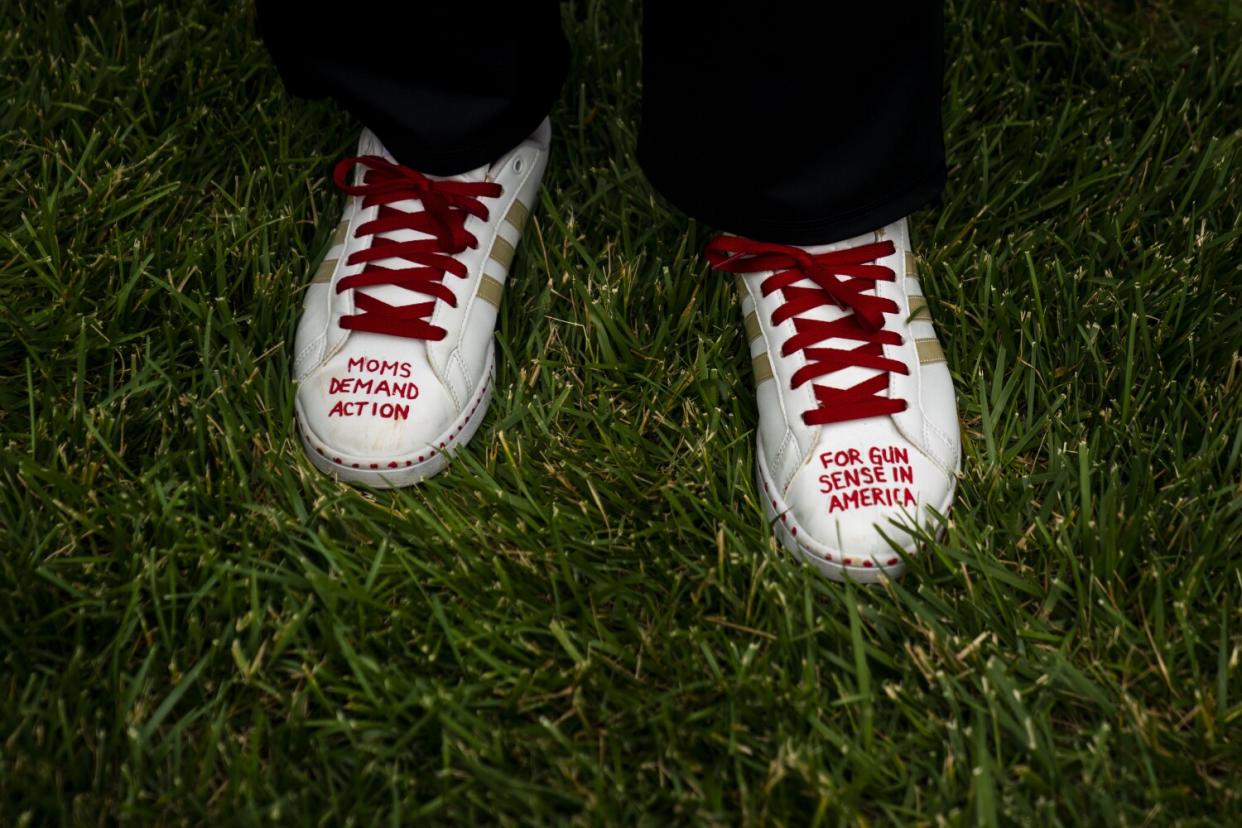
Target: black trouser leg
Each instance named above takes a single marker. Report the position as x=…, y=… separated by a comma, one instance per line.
x=446, y=86
x=793, y=122
x=783, y=121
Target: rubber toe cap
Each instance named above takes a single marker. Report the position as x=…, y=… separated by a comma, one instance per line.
x=848, y=504
x=357, y=406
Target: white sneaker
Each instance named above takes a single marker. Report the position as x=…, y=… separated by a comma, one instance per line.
x=394, y=356
x=858, y=445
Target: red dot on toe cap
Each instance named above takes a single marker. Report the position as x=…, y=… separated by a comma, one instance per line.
x=892, y=561
x=794, y=531
x=393, y=464
x=847, y=561
x=355, y=465
x=336, y=459
x=773, y=504
x=375, y=465
x=409, y=462
x=867, y=564
x=420, y=458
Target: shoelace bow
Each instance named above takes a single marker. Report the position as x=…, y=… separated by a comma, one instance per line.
x=840, y=277
x=446, y=206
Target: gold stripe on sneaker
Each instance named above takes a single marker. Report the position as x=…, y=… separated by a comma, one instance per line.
x=929, y=350
x=912, y=266
x=490, y=290
x=324, y=274
x=338, y=236
x=741, y=284
x=762, y=367
x=502, y=252
x=919, y=309
x=517, y=215
x=751, y=323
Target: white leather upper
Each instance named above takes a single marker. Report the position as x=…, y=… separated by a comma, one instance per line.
x=843, y=479
x=333, y=365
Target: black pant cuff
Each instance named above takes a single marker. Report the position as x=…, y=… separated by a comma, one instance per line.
x=501, y=137
x=719, y=211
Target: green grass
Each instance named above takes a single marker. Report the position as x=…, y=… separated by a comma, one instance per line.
x=585, y=618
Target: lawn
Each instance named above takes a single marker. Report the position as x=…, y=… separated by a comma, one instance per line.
x=585, y=619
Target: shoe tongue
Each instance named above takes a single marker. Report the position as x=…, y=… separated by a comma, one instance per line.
x=475, y=176
x=369, y=144
x=830, y=312
x=855, y=241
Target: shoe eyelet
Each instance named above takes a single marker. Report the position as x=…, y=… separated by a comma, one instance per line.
x=517, y=164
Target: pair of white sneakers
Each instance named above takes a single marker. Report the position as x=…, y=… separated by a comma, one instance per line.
x=858, y=445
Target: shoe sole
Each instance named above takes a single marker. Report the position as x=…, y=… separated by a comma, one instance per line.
x=780, y=518
x=413, y=467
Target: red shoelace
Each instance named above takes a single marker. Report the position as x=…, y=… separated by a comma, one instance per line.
x=446, y=206
x=840, y=277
